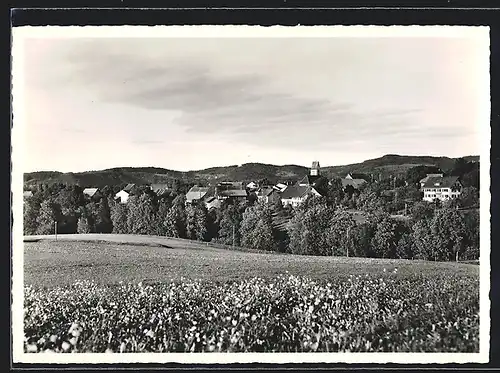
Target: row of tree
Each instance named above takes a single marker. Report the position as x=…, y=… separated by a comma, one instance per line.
x=321, y=226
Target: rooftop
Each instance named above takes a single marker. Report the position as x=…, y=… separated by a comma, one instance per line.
x=442, y=182
x=90, y=191
x=295, y=191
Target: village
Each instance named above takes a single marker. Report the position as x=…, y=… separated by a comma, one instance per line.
x=434, y=187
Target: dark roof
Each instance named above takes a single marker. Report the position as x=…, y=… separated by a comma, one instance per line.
x=309, y=179
x=429, y=176
x=231, y=185
x=233, y=193
x=129, y=187
x=264, y=192
x=295, y=191
x=358, y=175
x=159, y=189
x=155, y=187
x=315, y=165
x=441, y=182
x=355, y=183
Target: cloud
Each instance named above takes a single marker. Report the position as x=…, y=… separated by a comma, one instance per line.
x=214, y=101
x=317, y=95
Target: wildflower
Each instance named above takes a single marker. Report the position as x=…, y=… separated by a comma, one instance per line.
x=32, y=348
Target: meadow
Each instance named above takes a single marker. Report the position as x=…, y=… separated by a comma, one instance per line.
x=150, y=294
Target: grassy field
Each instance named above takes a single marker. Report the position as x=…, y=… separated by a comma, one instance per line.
x=119, y=293
x=109, y=259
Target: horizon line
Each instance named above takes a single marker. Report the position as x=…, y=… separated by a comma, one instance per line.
x=242, y=164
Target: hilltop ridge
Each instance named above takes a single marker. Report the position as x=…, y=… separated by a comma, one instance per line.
x=389, y=164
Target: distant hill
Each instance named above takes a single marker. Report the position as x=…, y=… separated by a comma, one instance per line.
x=388, y=164
x=392, y=164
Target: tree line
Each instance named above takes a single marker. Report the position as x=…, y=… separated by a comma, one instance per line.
x=320, y=226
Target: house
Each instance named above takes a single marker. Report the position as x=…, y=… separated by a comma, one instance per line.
x=196, y=194
x=159, y=189
x=122, y=195
x=268, y=195
x=231, y=190
x=212, y=203
x=355, y=183
x=424, y=180
x=355, y=180
x=280, y=187
x=235, y=194
x=443, y=188
x=223, y=185
x=129, y=188
x=252, y=186
x=312, y=178
x=295, y=195
x=357, y=176
x=92, y=193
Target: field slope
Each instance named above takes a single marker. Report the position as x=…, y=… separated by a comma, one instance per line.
x=112, y=293
x=109, y=259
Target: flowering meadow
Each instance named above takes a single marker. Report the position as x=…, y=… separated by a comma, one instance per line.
x=287, y=313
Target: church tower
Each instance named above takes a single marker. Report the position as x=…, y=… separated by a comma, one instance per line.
x=315, y=169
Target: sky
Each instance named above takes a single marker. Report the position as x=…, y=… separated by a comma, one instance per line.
x=92, y=103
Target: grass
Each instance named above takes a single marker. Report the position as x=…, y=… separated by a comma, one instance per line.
x=109, y=259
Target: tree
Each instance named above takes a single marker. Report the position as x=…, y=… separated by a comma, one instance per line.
x=369, y=200
x=423, y=243
x=469, y=197
x=471, y=178
x=201, y=222
x=384, y=240
x=161, y=216
x=229, y=232
x=307, y=230
x=460, y=167
x=175, y=224
x=449, y=233
x=141, y=215
x=422, y=210
x=340, y=235
x=83, y=224
x=196, y=222
x=70, y=198
x=256, y=228
x=321, y=185
x=119, y=212
x=404, y=247
x=417, y=173
x=50, y=212
x=103, y=218
x=471, y=219
x=334, y=192
x=30, y=214
x=190, y=222
x=213, y=224
x=362, y=235
x=92, y=211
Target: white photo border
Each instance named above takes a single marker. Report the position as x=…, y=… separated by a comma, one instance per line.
x=19, y=34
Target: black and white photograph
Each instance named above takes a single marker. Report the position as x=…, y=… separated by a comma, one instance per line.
x=237, y=194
